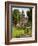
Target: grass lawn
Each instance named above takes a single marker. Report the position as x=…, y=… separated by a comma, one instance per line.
x=20, y=32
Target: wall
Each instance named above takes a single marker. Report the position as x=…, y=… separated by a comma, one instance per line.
x=2, y=23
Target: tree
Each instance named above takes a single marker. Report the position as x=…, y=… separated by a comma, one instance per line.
x=29, y=14
x=15, y=16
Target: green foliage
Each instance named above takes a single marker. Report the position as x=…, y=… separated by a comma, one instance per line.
x=17, y=32
x=29, y=14
x=20, y=32
x=16, y=15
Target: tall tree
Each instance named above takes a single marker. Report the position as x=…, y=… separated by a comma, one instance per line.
x=15, y=16
x=29, y=14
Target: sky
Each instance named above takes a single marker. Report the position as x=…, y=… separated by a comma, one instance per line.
x=24, y=9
